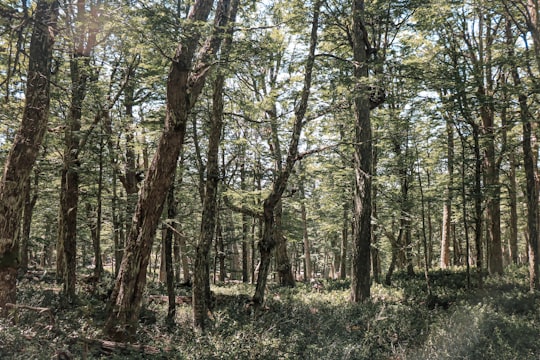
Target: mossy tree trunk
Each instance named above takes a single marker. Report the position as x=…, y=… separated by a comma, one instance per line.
x=25, y=148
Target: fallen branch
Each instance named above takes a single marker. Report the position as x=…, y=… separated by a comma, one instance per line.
x=40, y=310
x=107, y=347
x=163, y=299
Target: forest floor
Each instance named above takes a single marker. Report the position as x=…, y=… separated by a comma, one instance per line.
x=501, y=320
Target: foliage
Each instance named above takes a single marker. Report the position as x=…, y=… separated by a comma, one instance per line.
x=498, y=321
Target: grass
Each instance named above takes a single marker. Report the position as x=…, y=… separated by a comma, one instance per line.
x=499, y=321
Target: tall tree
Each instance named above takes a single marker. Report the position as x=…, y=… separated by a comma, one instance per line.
x=269, y=241
x=84, y=40
x=360, y=284
x=25, y=148
x=187, y=74
x=226, y=13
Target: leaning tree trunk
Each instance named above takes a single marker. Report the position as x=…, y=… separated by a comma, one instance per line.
x=183, y=88
x=25, y=148
x=360, y=282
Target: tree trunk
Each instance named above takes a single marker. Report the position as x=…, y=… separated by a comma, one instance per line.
x=344, y=240
x=531, y=174
x=308, y=272
x=478, y=203
x=284, y=268
x=447, y=209
x=30, y=200
x=85, y=39
x=202, y=300
x=513, y=204
x=363, y=154
x=245, y=227
x=183, y=88
x=168, y=245
x=25, y=148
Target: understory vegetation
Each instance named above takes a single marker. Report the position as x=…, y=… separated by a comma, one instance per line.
x=500, y=320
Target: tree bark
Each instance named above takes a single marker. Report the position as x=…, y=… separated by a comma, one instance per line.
x=25, y=148
x=363, y=154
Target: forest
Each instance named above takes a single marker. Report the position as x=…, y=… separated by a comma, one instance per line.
x=230, y=179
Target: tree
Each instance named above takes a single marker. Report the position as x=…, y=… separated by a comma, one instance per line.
x=186, y=78
x=360, y=284
x=85, y=37
x=24, y=150
x=269, y=241
x=202, y=302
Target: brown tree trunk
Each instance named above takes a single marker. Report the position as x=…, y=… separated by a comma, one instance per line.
x=447, y=209
x=184, y=85
x=478, y=203
x=363, y=154
x=25, y=148
x=513, y=204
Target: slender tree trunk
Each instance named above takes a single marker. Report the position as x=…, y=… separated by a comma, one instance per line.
x=268, y=241
x=25, y=148
x=83, y=44
x=478, y=203
x=513, y=204
x=531, y=175
x=184, y=259
x=345, y=240
x=447, y=209
x=30, y=200
x=168, y=245
x=308, y=272
x=202, y=300
x=245, y=228
x=363, y=154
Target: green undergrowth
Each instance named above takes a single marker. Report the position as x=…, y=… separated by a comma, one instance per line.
x=500, y=320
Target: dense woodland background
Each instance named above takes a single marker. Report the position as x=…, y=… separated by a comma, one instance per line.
x=360, y=169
